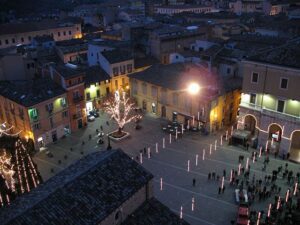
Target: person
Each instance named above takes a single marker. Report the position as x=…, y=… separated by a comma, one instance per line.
x=107, y=123
x=101, y=128
x=145, y=151
x=194, y=182
x=214, y=175
x=219, y=190
x=247, y=146
x=288, y=156
x=224, y=173
x=90, y=137
x=209, y=176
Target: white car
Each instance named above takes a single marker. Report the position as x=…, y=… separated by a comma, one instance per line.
x=91, y=118
x=241, y=196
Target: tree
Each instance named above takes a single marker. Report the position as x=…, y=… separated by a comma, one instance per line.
x=121, y=109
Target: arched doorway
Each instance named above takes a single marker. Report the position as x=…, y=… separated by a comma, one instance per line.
x=163, y=111
x=295, y=146
x=275, y=132
x=250, y=123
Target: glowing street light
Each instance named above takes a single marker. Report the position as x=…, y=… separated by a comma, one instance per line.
x=193, y=88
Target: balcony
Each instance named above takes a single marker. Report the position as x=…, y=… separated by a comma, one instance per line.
x=283, y=116
x=270, y=112
x=77, y=99
x=251, y=106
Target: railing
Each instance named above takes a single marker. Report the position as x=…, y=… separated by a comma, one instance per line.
x=270, y=112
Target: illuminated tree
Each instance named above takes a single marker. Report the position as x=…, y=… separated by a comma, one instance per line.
x=6, y=130
x=121, y=109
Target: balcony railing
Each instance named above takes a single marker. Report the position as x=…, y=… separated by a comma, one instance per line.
x=270, y=112
x=77, y=99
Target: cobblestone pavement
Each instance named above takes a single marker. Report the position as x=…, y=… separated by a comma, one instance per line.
x=171, y=164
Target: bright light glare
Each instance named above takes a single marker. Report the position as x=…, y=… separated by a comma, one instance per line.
x=193, y=88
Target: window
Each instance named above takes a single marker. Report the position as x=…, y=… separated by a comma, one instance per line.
x=228, y=70
x=98, y=93
x=13, y=40
x=144, y=88
x=64, y=33
x=129, y=68
x=283, y=83
x=0, y=42
x=63, y=102
x=6, y=42
x=64, y=114
x=70, y=32
x=28, y=66
x=36, y=126
x=51, y=122
x=123, y=69
x=58, y=33
x=70, y=82
x=280, y=106
x=97, y=56
x=88, y=96
x=21, y=113
x=254, y=78
x=115, y=71
x=49, y=107
x=154, y=92
x=29, y=38
x=252, y=98
x=123, y=81
x=22, y=39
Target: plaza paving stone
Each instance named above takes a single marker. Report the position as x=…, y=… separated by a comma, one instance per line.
x=171, y=165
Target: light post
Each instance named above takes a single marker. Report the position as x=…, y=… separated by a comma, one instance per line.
x=193, y=89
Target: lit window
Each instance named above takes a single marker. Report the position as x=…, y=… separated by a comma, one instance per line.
x=253, y=98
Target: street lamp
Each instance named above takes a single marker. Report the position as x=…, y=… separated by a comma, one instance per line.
x=193, y=88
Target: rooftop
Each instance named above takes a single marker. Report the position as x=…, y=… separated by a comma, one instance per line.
x=117, y=55
x=31, y=92
x=177, y=76
x=287, y=55
x=95, y=74
x=144, y=62
x=14, y=28
x=69, y=70
x=65, y=49
x=185, y=6
x=152, y=212
x=84, y=193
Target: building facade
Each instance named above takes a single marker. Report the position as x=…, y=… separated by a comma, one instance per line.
x=42, y=116
x=23, y=33
x=71, y=78
x=270, y=105
x=209, y=109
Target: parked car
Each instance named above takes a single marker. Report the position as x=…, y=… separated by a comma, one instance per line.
x=90, y=118
x=94, y=113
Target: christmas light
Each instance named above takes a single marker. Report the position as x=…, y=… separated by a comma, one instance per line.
x=120, y=109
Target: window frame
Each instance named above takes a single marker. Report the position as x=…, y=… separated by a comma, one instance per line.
x=252, y=78
x=287, y=83
x=284, y=105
